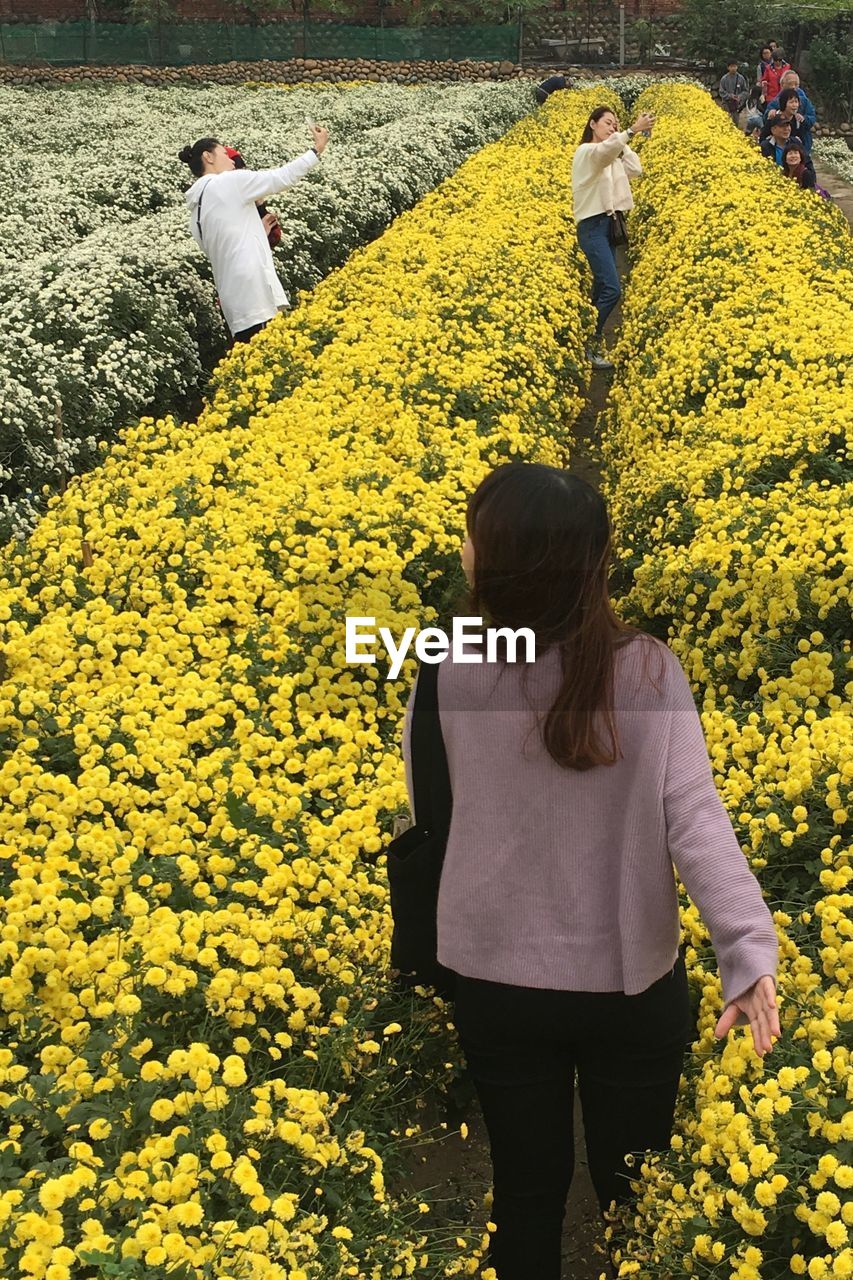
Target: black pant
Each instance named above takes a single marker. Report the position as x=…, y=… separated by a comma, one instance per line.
x=523, y=1046
x=245, y=334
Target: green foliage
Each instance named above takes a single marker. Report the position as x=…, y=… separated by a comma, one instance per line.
x=832, y=73
x=642, y=31
x=153, y=11
x=717, y=28
x=440, y=12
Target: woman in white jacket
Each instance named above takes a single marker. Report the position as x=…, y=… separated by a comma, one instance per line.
x=602, y=167
x=224, y=223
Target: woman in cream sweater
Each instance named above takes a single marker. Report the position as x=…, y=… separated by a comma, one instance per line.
x=601, y=171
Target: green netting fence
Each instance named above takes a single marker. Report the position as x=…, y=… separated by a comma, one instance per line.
x=180, y=44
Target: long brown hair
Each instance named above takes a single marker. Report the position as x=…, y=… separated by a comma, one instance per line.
x=594, y=117
x=542, y=547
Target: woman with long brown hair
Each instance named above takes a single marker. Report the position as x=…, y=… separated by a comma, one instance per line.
x=602, y=168
x=797, y=164
x=577, y=781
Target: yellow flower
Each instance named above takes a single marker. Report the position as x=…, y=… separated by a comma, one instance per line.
x=234, y=1071
x=51, y=1194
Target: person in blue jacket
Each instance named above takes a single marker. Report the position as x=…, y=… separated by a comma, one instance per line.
x=790, y=80
x=551, y=85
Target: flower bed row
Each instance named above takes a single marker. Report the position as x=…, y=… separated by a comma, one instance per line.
x=128, y=167
x=730, y=481
x=115, y=313
x=202, y=1063
x=837, y=154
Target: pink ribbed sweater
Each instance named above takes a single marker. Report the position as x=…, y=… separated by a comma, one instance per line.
x=563, y=879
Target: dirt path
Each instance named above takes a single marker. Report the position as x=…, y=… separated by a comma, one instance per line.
x=459, y=1173
x=459, y=1170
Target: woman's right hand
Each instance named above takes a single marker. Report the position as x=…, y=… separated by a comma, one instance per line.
x=758, y=1005
x=643, y=123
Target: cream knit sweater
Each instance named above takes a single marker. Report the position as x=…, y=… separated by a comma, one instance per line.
x=600, y=173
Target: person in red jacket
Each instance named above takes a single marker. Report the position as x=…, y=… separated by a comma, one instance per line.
x=270, y=221
x=771, y=81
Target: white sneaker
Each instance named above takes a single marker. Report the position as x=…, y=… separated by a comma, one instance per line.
x=598, y=360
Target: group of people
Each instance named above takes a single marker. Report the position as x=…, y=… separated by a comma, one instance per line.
x=226, y=198
x=577, y=784
x=231, y=225
x=780, y=116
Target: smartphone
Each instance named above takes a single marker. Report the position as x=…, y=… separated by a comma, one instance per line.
x=312, y=124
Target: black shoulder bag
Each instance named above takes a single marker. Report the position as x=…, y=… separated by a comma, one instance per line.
x=416, y=857
x=618, y=228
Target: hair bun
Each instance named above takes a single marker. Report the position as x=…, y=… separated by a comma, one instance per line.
x=186, y=155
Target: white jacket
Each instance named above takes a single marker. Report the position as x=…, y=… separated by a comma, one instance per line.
x=233, y=237
x=600, y=173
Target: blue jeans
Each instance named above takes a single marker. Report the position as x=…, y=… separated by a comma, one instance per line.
x=594, y=240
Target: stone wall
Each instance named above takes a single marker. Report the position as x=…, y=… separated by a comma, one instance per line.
x=296, y=71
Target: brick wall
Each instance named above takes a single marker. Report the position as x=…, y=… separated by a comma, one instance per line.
x=41, y=10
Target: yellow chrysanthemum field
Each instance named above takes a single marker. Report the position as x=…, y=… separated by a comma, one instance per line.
x=200, y=1054
x=728, y=439
x=204, y=1072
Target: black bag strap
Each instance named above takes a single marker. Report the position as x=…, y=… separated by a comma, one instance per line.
x=198, y=215
x=430, y=776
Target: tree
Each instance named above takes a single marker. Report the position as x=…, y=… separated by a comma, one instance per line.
x=718, y=29
x=643, y=32
x=153, y=11
x=832, y=70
